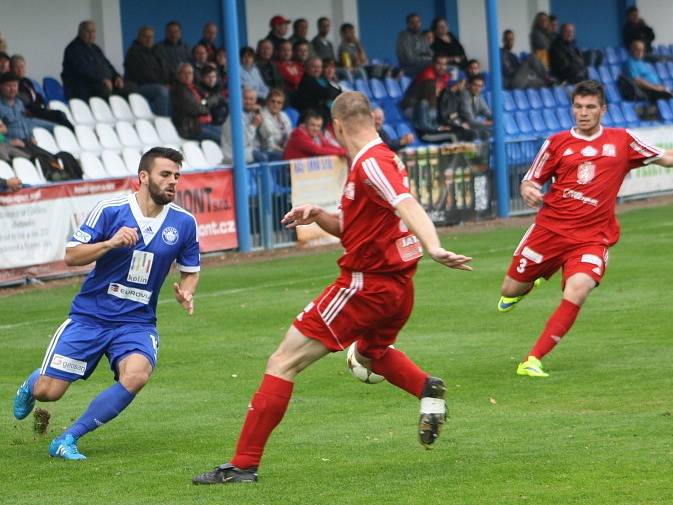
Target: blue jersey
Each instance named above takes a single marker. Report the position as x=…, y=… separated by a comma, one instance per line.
x=124, y=286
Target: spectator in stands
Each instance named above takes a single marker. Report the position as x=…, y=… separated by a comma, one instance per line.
x=351, y=53
x=643, y=74
x=199, y=60
x=553, y=26
x=189, y=109
x=307, y=140
x=8, y=151
x=437, y=73
x=144, y=70
x=276, y=35
x=473, y=67
x=172, y=51
x=329, y=75
x=252, y=119
x=446, y=43
x=3, y=44
x=473, y=108
x=250, y=76
x=209, y=39
x=211, y=91
x=10, y=185
x=20, y=134
x=4, y=62
x=412, y=49
x=314, y=92
x=36, y=107
x=449, y=112
x=425, y=120
x=567, y=62
x=290, y=71
x=635, y=28
x=510, y=61
x=301, y=52
x=322, y=47
x=541, y=38
x=394, y=144
x=221, y=65
x=266, y=66
x=299, y=31
x=530, y=73
x=274, y=131
x=86, y=70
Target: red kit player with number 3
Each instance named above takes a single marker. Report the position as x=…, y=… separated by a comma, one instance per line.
x=381, y=227
x=576, y=223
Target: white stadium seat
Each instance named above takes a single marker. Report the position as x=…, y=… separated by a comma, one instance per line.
x=121, y=109
x=81, y=112
x=147, y=133
x=92, y=167
x=167, y=132
x=87, y=139
x=67, y=141
x=194, y=158
x=131, y=159
x=27, y=172
x=213, y=152
x=127, y=135
x=6, y=171
x=140, y=107
x=101, y=110
x=114, y=165
x=108, y=137
x=45, y=140
x=58, y=105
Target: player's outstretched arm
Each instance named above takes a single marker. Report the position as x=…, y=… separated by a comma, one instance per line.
x=84, y=254
x=307, y=214
x=417, y=220
x=667, y=159
x=185, y=289
x=531, y=194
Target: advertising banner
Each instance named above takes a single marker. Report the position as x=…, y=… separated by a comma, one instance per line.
x=651, y=178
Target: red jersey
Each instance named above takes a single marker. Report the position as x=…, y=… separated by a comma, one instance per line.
x=374, y=238
x=588, y=172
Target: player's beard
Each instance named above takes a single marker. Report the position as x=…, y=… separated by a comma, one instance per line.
x=158, y=196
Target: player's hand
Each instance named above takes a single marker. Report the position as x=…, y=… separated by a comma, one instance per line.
x=449, y=259
x=304, y=214
x=184, y=298
x=125, y=237
x=531, y=195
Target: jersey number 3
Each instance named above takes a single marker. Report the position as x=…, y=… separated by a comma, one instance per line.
x=522, y=265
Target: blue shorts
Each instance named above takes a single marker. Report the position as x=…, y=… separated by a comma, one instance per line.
x=77, y=347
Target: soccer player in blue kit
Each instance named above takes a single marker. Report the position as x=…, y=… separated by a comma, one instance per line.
x=134, y=240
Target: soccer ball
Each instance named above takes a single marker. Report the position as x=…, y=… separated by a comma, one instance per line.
x=359, y=371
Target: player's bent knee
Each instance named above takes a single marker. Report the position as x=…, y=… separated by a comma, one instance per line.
x=135, y=381
x=48, y=389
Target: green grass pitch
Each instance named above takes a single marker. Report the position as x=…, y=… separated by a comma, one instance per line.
x=599, y=430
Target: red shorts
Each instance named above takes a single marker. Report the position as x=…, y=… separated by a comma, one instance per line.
x=542, y=252
x=371, y=308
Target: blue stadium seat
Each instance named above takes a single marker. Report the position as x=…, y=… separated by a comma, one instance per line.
x=534, y=98
x=523, y=56
x=550, y=120
x=611, y=56
x=520, y=99
x=345, y=85
x=662, y=71
x=565, y=118
x=611, y=93
x=405, y=80
x=605, y=75
x=668, y=83
x=592, y=73
x=391, y=111
x=508, y=101
x=623, y=54
x=53, y=90
x=378, y=90
x=390, y=131
x=664, y=50
x=511, y=128
x=607, y=119
x=616, y=114
x=523, y=122
x=393, y=88
x=615, y=72
x=488, y=96
x=547, y=97
x=362, y=86
x=665, y=110
x=561, y=96
x=535, y=117
x=402, y=129
x=629, y=111
x=293, y=114
x=38, y=87
x=669, y=67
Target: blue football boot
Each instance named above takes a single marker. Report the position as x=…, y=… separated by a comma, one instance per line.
x=65, y=447
x=24, y=402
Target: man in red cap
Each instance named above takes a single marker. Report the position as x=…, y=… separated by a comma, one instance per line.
x=279, y=26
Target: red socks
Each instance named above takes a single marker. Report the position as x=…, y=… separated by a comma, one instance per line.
x=265, y=411
x=557, y=325
x=399, y=370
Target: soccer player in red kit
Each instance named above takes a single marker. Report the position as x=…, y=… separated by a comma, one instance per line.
x=576, y=223
x=381, y=227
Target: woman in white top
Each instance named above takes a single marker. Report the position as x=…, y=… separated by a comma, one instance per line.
x=276, y=125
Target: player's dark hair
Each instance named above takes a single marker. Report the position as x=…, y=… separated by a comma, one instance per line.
x=147, y=159
x=590, y=88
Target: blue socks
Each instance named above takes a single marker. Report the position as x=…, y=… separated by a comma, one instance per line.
x=32, y=379
x=105, y=407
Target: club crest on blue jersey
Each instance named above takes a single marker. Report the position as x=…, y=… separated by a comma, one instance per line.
x=170, y=235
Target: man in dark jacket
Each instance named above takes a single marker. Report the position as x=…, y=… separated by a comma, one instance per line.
x=315, y=93
x=145, y=70
x=267, y=68
x=172, y=51
x=636, y=29
x=86, y=70
x=190, y=113
x=567, y=63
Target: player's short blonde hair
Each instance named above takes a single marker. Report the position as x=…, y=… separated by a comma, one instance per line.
x=352, y=108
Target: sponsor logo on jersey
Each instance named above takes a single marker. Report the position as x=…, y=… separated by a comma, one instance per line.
x=81, y=236
x=578, y=195
x=609, y=150
x=141, y=267
x=170, y=235
x=568, y=152
x=128, y=293
x=586, y=172
x=589, y=151
x=409, y=247
x=349, y=191
x=534, y=256
x=67, y=364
